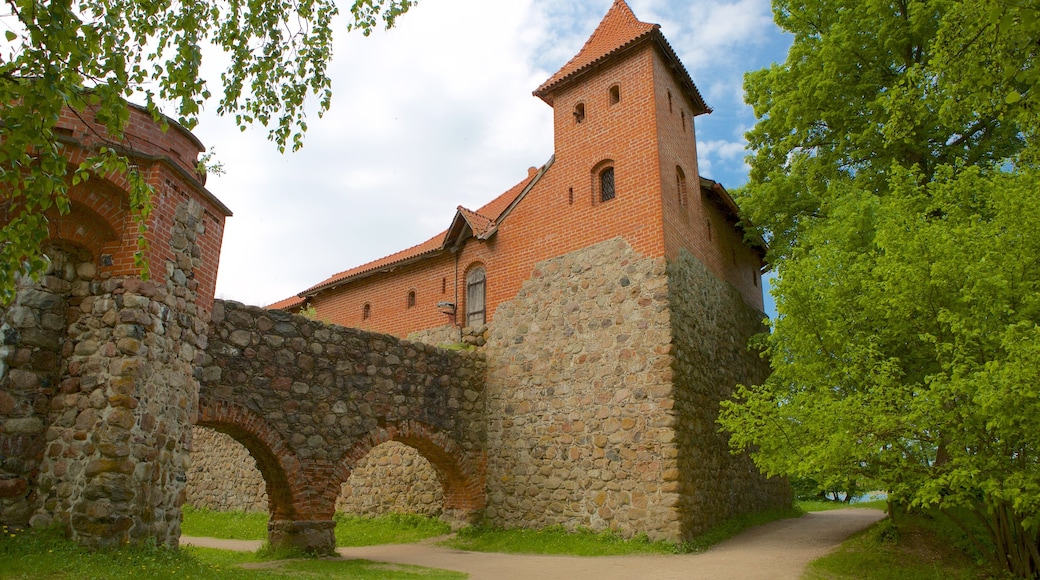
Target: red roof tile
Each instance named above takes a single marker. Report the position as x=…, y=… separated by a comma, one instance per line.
x=479, y=222
x=286, y=304
x=618, y=29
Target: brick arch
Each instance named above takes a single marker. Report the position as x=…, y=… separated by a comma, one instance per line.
x=279, y=465
x=461, y=478
x=97, y=214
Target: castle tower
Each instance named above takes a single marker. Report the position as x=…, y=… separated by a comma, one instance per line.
x=97, y=366
x=606, y=369
x=626, y=104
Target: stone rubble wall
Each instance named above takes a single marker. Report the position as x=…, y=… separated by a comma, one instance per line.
x=120, y=429
x=711, y=326
x=392, y=478
x=99, y=394
x=580, y=402
x=452, y=336
x=32, y=335
x=324, y=397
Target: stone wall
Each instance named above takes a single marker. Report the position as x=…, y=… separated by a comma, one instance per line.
x=32, y=336
x=711, y=327
x=580, y=397
x=310, y=401
x=392, y=478
x=450, y=336
x=119, y=430
x=98, y=394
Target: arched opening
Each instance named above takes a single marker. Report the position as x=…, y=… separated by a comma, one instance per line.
x=223, y=476
x=411, y=299
x=392, y=478
x=579, y=113
x=615, y=94
x=366, y=312
x=476, y=296
x=425, y=459
x=279, y=472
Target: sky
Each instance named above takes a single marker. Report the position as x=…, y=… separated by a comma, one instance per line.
x=438, y=112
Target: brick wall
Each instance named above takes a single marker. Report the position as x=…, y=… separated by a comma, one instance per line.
x=645, y=133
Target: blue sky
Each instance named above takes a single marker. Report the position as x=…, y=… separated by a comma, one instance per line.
x=438, y=112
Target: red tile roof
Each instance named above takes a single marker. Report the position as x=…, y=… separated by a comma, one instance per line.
x=286, y=304
x=618, y=31
x=480, y=224
x=479, y=221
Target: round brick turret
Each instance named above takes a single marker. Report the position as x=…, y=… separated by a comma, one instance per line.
x=97, y=387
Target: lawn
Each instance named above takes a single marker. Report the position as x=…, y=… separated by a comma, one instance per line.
x=350, y=530
x=45, y=554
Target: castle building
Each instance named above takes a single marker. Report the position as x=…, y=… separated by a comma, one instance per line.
x=625, y=165
x=613, y=294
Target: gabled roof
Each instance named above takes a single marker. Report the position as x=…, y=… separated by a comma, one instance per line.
x=618, y=32
x=718, y=194
x=481, y=224
x=468, y=223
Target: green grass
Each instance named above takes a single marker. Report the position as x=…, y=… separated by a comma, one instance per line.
x=919, y=547
x=388, y=529
x=47, y=554
x=350, y=530
x=557, y=541
x=204, y=523
x=553, y=540
x=825, y=505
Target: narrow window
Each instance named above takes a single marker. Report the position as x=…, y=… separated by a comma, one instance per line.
x=366, y=312
x=606, y=184
x=579, y=112
x=754, y=277
x=615, y=95
x=411, y=298
x=680, y=185
x=476, y=289
x=444, y=285
x=684, y=121
x=708, y=222
x=669, y=101
x=570, y=196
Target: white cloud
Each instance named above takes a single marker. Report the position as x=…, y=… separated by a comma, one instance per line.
x=433, y=114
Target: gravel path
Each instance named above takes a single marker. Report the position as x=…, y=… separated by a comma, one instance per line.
x=777, y=550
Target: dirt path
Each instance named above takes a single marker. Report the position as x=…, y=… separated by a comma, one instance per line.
x=776, y=550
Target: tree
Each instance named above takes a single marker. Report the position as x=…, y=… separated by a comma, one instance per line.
x=894, y=168
x=98, y=53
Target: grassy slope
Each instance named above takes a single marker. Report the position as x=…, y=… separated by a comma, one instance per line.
x=920, y=546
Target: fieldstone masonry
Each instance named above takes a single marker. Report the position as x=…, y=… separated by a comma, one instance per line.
x=309, y=401
x=98, y=394
x=604, y=377
x=580, y=399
